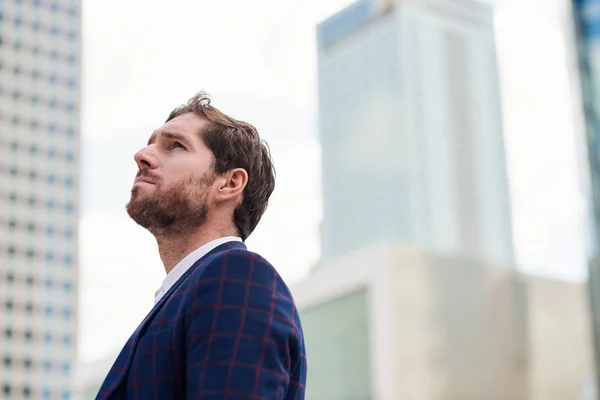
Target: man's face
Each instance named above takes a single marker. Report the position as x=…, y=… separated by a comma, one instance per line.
x=173, y=188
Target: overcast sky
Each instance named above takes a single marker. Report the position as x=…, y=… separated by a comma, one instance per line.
x=258, y=60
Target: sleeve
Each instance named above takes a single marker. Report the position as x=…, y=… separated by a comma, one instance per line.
x=241, y=337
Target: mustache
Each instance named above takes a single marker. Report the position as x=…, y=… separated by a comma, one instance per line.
x=147, y=174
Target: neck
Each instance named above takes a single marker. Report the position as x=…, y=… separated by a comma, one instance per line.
x=174, y=247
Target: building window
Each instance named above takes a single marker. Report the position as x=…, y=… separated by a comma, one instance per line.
x=49, y=257
x=8, y=333
x=7, y=361
x=68, y=259
x=48, y=310
x=47, y=339
x=49, y=283
x=30, y=227
x=10, y=277
x=26, y=391
x=30, y=280
x=67, y=313
x=68, y=286
x=12, y=224
x=46, y=394
x=7, y=389
x=49, y=231
x=67, y=340
x=28, y=335
x=27, y=363
x=47, y=366
x=12, y=251
x=29, y=308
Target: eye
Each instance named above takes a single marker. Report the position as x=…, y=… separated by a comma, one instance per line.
x=176, y=145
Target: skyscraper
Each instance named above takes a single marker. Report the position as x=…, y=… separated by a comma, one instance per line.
x=586, y=23
x=39, y=178
x=411, y=129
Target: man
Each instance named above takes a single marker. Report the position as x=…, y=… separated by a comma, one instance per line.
x=224, y=324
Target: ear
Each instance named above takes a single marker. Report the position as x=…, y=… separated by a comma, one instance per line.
x=232, y=185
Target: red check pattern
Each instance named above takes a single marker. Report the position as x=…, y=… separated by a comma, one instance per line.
x=228, y=329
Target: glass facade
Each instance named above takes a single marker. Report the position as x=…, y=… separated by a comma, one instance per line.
x=587, y=24
x=337, y=346
x=409, y=102
x=39, y=173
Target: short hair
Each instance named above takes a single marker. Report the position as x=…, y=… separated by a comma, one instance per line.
x=236, y=144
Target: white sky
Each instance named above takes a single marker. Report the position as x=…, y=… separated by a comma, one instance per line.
x=258, y=60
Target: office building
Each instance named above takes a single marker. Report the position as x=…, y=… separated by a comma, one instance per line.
x=392, y=321
x=40, y=50
x=586, y=39
x=411, y=129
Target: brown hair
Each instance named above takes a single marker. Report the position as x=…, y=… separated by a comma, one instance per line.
x=236, y=144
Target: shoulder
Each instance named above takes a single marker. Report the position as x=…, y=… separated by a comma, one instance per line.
x=240, y=281
x=239, y=266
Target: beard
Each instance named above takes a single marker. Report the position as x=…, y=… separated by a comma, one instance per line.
x=177, y=209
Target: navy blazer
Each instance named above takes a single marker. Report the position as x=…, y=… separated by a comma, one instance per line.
x=227, y=329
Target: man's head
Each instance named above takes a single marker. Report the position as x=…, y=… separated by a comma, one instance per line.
x=200, y=166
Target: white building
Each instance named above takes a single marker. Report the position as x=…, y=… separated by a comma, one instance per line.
x=40, y=53
x=411, y=129
x=393, y=322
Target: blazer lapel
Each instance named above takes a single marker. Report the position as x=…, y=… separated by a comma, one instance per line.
x=121, y=365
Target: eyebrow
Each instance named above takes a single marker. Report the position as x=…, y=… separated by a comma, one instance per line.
x=170, y=135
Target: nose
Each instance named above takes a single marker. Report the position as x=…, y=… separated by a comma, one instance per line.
x=145, y=158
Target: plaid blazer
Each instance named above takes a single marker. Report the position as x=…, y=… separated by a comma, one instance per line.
x=227, y=329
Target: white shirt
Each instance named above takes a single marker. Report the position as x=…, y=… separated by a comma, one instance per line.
x=189, y=260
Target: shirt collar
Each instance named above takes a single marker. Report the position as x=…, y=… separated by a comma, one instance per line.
x=185, y=264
